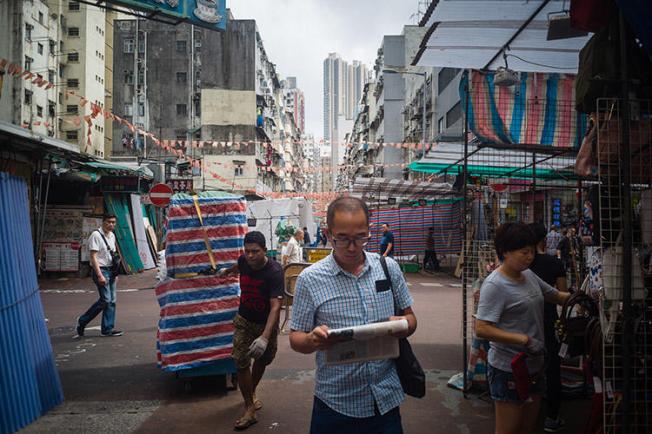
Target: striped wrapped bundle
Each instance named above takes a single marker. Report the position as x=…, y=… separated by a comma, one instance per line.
x=540, y=110
x=196, y=324
x=224, y=224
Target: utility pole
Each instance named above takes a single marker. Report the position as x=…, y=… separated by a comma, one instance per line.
x=135, y=104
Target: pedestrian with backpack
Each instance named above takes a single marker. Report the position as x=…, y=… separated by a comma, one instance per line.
x=105, y=264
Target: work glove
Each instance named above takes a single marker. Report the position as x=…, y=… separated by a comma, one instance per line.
x=534, y=346
x=257, y=347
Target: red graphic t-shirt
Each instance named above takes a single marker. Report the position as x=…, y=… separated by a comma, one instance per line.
x=257, y=287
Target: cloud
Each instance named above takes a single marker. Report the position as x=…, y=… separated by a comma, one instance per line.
x=299, y=34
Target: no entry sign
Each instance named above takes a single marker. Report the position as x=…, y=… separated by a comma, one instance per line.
x=160, y=195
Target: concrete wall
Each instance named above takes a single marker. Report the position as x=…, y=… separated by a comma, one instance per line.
x=393, y=101
x=11, y=48
x=228, y=107
x=222, y=165
x=225, y=66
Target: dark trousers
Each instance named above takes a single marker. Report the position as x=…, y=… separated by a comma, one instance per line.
x=327, y=421
x=430, y=261
x=553, y=370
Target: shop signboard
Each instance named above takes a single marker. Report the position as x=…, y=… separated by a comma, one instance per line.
x=315, y=254
x=120, y=184
x=210, y=14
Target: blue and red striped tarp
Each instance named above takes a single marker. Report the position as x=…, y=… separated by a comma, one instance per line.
x=225, y=224
x=410, y=227
x=196, y=323
x=540, y=110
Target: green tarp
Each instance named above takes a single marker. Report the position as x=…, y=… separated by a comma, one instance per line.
x=118, y=204
x=493, y=171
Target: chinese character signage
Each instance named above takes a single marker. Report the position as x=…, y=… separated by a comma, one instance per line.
x=206, y=13
x=180, y=185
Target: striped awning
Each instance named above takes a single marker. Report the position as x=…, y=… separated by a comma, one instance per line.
x=382, y=189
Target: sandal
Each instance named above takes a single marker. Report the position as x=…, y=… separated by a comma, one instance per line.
x=244, y=423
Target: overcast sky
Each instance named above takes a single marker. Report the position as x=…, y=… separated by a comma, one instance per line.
x=299, y=34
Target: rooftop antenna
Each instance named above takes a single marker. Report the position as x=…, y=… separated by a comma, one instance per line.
x=422, y=7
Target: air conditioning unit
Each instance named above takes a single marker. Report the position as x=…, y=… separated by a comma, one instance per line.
x=506, y=77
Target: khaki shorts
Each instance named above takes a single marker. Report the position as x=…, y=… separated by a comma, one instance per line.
x=245, y=333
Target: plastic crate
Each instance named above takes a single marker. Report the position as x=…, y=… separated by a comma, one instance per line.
x=410, y=267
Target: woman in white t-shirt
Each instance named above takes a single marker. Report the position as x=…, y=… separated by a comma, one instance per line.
x=510, y=317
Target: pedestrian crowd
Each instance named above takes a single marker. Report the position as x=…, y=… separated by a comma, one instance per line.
x=352, y=287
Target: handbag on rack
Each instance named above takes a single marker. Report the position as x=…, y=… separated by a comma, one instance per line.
x=612, y=272
x=408, y=368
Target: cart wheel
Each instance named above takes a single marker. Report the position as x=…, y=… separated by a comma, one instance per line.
x=234, y=382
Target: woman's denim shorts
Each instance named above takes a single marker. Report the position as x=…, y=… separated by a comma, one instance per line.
x=502, y=386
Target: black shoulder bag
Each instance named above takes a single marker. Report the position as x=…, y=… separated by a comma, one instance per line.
x=413, y=379
x=116, y=260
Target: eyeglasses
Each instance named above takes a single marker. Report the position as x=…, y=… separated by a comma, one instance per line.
x=346, y=242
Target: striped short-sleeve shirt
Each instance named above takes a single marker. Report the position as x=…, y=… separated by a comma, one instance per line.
x=327, y=295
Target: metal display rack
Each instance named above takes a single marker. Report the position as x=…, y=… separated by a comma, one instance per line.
x=624, y=150
x=531, y=180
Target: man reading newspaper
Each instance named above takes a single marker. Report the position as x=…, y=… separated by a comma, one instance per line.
x=346, y=289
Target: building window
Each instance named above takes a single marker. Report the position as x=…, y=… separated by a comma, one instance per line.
x=180, y=134
x=28, y=97
x=72, y=109
x=129, y=110
x=60, y=97
x=73, y=83
x=128, y=45
x=181, y=110
x=141, y=45
x=61, y=66
x=73, y=31
x=453, y=115
x=73, y=57
x=28, y=62
x=40, y=17
x=51, y=75
x=39, y=111
x=129, y=77
x=52, y=111
x=53, y=47
x=141, y=109
x=181, y=46
x=73, y=6
x=71, y=135
x=445, y=76
x=182, y=77
x=28, y=31
x=440, y=125
x=39, y=48
x=238, y=170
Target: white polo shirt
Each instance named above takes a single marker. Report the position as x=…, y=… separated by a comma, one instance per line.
x=294, y=251
x=95, y=242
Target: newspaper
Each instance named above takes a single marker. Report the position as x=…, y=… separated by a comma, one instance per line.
x=366, y=342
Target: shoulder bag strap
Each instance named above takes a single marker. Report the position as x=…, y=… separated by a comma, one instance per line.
x=383, y=263
x=105, y=242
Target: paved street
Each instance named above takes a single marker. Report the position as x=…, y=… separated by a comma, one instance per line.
x=112, y=385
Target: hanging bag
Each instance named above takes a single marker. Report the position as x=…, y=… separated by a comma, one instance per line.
x=116, y=259
x=408, y=368
x=612, y=272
